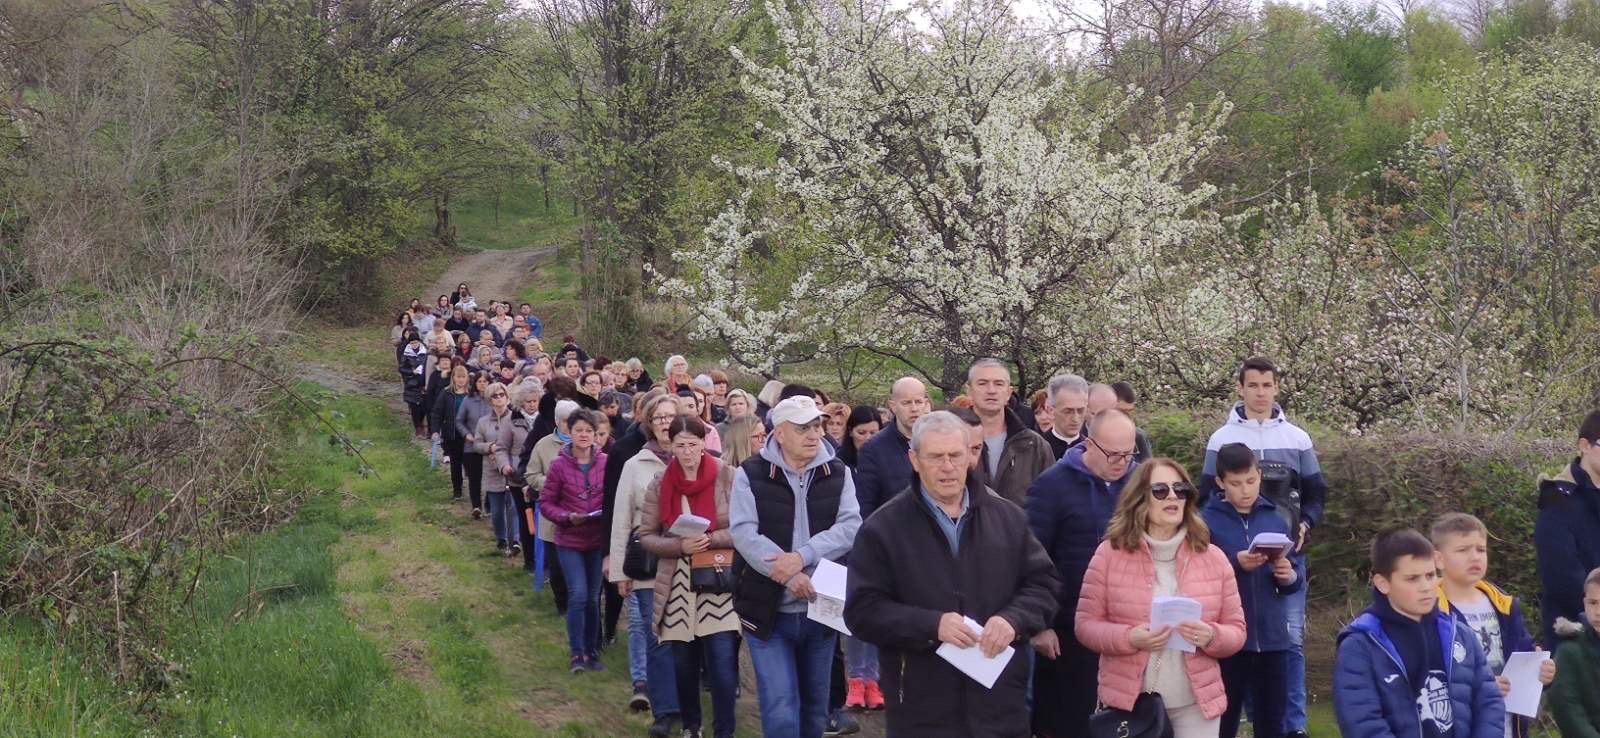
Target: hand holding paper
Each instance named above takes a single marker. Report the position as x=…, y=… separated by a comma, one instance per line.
x=1174, y=611
x=829, y=581
x=1522, y=670
x=973, y=663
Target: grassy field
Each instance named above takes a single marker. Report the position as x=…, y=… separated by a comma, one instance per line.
x=521, y=221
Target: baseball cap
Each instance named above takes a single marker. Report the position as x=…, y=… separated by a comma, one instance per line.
x=798, y=410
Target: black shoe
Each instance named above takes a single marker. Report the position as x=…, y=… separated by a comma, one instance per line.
x=516, y=548
x=691, y=733
x=640, y=701
x=840, y=723
x=665, y=726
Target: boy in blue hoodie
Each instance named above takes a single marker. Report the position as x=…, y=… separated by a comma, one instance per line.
x=1403, y=669
x=1461, y=545
x=1266, y=578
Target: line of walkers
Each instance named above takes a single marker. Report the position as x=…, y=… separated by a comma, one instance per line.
x=1048, y=527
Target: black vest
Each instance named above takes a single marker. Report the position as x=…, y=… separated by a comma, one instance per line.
x=757, y=597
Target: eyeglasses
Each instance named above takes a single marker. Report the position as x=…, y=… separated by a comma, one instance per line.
x=1114, y=457
x=1162, y=490
x=663, y=419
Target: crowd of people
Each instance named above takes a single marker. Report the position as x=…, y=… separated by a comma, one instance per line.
x=1045, y=533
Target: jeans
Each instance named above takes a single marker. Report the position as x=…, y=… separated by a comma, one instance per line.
x=650, y=661
x=1294, y=715
x=792, y=669
x=582, y=569
x=503, y=514
x=473, y=464
x=722, y=667
x=1261, y=677
x=863, y=659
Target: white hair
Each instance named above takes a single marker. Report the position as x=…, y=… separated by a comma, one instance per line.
x=564, y=409
x=1068, y=383
x=634, y=363
x=666, y=369
x=939, y=421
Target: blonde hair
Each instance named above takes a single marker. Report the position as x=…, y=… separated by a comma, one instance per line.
x=1131, y=518
x=736, y=442
x=1456, y=523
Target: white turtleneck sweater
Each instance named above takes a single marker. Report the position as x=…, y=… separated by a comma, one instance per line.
x=1166, y=673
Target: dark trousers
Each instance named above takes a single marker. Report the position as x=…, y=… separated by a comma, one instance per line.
x=419, y=415
x=836, y=681
x=1263, y=676
x=1065, y=690
x=558, y=578
x=457, y=452
x=717, y=652
x=613, y=608
x=474, y=464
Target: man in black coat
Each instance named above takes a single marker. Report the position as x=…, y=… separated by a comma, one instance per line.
x=945, y=550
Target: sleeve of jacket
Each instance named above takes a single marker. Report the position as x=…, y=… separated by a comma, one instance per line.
x=436, y=413
x=1313, y=486
x=1208, y=473
x=655, y=540
x=747, y=538
x=538, y=471
x=1356, y=703
x=1299, y=564
x=1488, y=706
x=1566, y=695
x=481, y=442
x=868, y=482
x=835, y=541
x=871, y=608
x=621, y=507
x=1230, y=625
x=1094, y=627
x=461, y=418
x=1560, y=573
x=553, y=498
x=608, y=493
x=1043, y=516
x=506, y=438
x=1033, y=607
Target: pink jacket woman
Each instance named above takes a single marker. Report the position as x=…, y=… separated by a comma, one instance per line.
x=1116, y=596
x=568, y=490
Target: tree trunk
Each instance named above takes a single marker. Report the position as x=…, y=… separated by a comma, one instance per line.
x=544, y=181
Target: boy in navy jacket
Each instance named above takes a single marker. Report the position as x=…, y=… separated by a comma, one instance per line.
x=1461, y=545
x=1403, y=669
x=1259, y=671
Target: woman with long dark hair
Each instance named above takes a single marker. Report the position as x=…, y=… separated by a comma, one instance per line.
x=445, y=407
x=471, y=410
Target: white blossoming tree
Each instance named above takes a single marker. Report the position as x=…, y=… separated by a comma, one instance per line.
x=944, y=186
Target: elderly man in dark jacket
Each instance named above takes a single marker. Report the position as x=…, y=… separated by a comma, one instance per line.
x=943, y=549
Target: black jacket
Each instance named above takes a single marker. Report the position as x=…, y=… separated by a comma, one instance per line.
x=624, y=446
x=1566, y=538
x=903, y=578
x=442, y=419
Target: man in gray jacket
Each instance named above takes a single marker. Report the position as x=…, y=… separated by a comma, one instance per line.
x=793, y=505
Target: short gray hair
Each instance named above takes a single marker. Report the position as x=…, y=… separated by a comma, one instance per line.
x=986, y=362
x=634, y=363
x=1068, y=382
x=938, y=421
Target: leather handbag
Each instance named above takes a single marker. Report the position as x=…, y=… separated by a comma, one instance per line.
x=1147, y=719
x=637, y=563
x=711, y=571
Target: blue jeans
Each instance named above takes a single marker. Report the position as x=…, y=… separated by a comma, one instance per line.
x=861, y=659
x=793, y=667
x=503, y=514
x=1294, y=715
x=649, y=661
x=720, y=653
x=582, y=569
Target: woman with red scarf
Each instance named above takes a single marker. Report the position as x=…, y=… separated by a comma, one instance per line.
x=701, y=626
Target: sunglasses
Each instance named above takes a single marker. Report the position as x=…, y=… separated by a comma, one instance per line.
x=1162, y=490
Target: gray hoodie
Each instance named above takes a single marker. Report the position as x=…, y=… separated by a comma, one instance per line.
x=832, y=543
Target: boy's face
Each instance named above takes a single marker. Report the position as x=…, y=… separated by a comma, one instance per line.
x=1464, y=557
x=1259, y=390
x=1412, y=588
x=1591, y=605
x=1241, y=488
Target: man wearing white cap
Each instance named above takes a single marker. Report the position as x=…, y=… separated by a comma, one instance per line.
x=793, y=505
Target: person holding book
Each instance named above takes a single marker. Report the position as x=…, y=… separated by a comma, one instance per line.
x=1256, y=541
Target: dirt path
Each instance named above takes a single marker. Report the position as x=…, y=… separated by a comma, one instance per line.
x=497, y=275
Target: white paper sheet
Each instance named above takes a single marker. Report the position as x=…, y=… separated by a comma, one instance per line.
x=689, y=526
x=971, y=661
x=1522, y=670
x=1165, y=611
x=830, y=580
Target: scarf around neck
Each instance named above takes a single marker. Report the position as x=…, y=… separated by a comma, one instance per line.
x=701, y=492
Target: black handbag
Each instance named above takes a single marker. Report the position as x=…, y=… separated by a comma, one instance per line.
x=711, y=571
x=637, y=563
x=1147, y=719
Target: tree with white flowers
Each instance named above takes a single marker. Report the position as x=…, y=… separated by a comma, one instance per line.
x=945, y=186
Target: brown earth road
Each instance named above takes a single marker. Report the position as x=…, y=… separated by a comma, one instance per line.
x=493, y=275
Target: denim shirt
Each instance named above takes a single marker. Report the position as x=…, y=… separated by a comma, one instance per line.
x=951, y=528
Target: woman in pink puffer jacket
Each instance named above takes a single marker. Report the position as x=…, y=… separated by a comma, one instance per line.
x=1156, y=545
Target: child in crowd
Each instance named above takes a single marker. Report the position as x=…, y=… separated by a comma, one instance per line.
x=1403, y=669
x=1575, y=697
x=1266, y=577
x=1461, y=549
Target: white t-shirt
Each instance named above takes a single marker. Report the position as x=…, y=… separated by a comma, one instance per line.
x=1485, y=622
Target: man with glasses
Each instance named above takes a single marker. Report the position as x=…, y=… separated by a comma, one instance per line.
x=793, y=504
x=1067, y=401
x=944, y=551
x=1069, y=507
x=882, y=469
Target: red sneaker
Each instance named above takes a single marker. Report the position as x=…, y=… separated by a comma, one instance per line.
x=874, y=695
x=855, y=697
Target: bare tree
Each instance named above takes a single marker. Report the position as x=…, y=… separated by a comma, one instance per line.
x=1159, y=46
